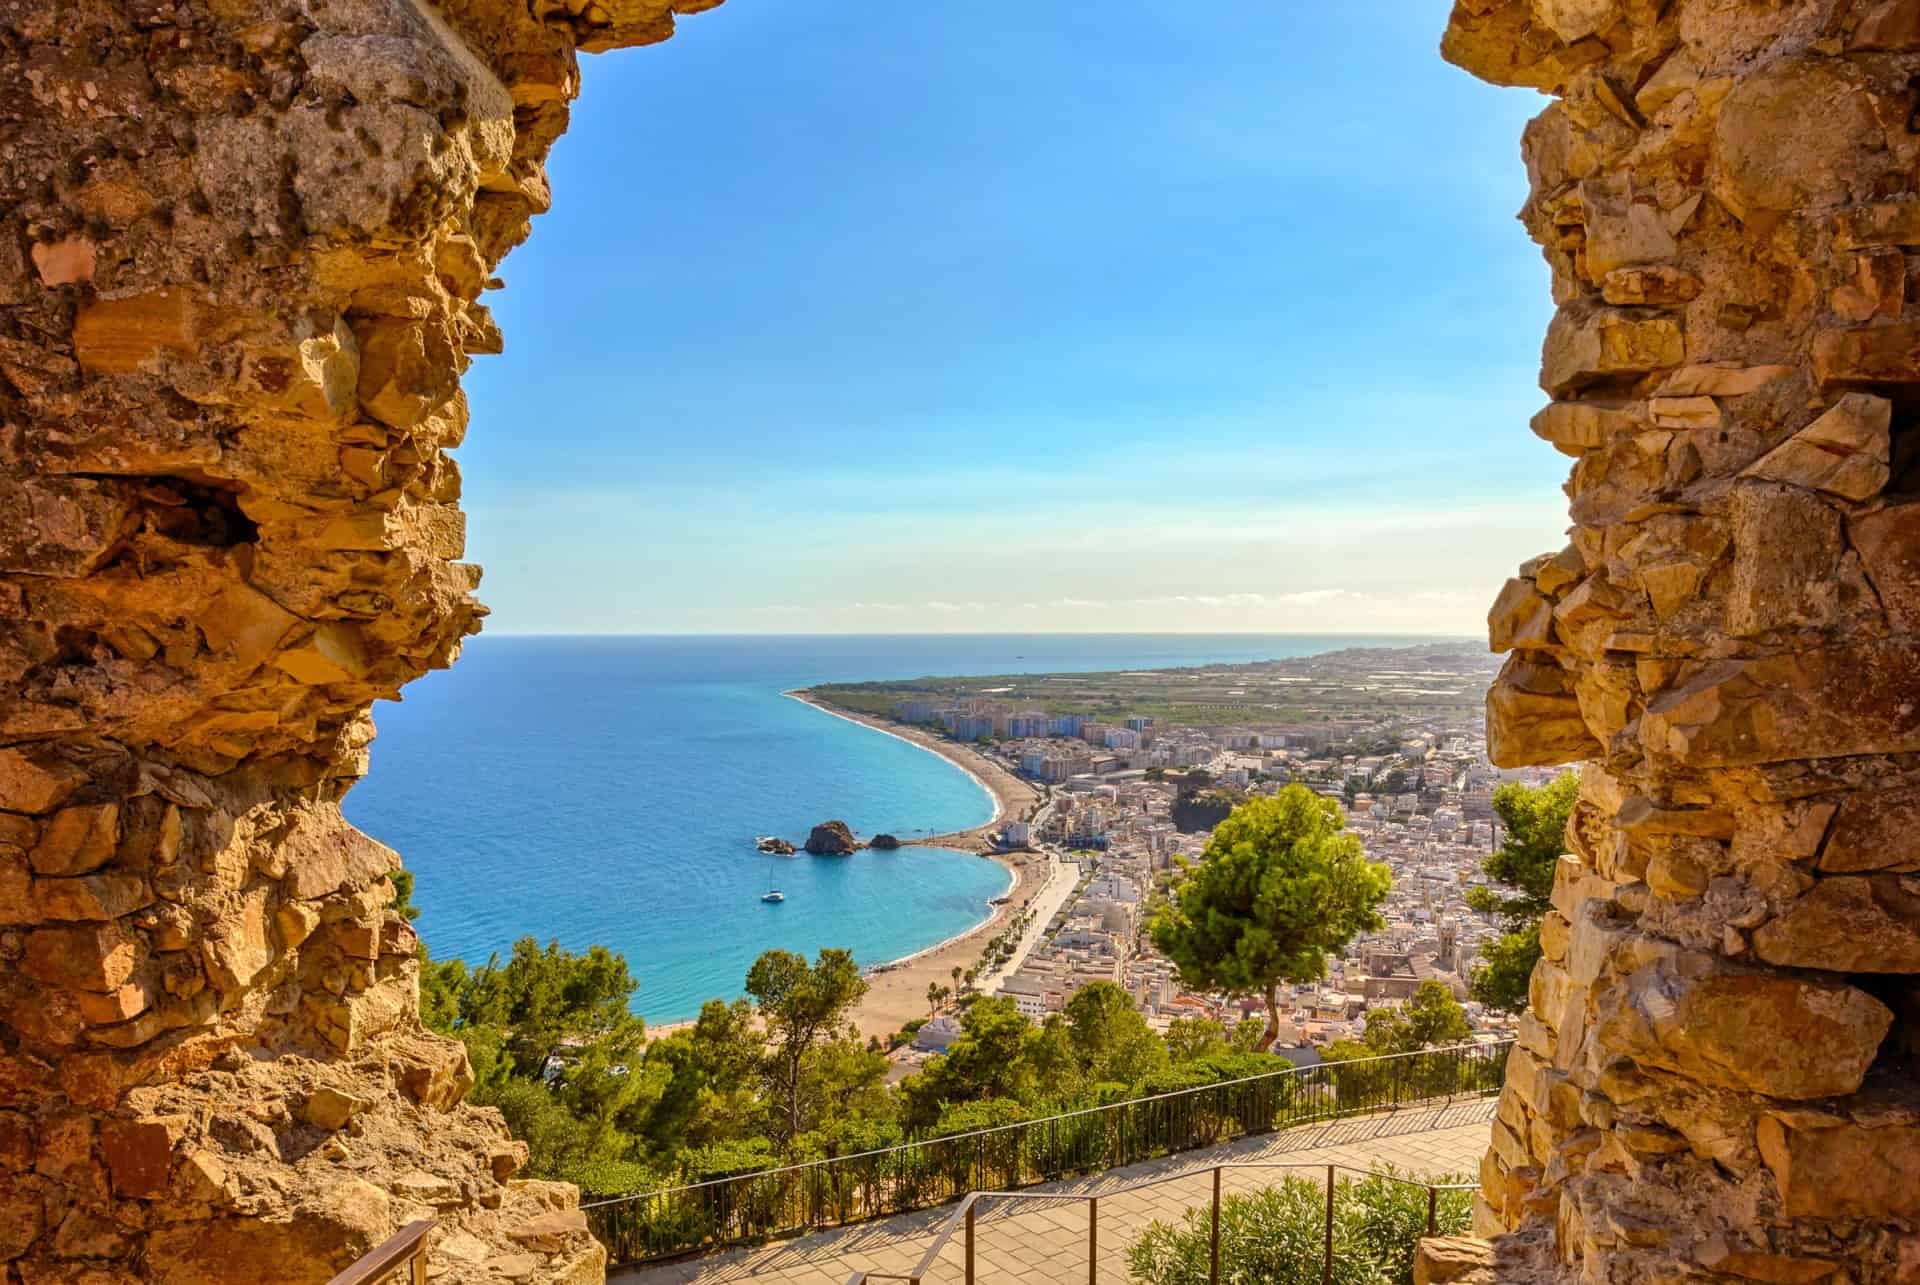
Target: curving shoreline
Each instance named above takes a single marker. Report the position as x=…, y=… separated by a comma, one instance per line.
x=897, y=989
x=1009, y=793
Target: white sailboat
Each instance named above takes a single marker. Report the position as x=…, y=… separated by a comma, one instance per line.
x=772, y=893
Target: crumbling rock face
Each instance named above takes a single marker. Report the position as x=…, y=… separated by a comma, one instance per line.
x=242, y=246
x=1716, y=1075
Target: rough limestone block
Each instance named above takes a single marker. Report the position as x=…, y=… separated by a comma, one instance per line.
x=1849, y=924
x=407, y=370
x=139, y=1152
x=1577, y=427
x=1775, y=154
x=1660, y=286
x=30, y=783
x=1533, y=716
x=1438, y=1260
x=1884, y=354
x=91, y=897
x=1787, y=547
x=1625, y=234
x=1507, y=45
x=1874, y=830
x=91, y=957
x=1832, y=1168
x=1888, y=542
x=1521, y=617
x=1880, y=223
x=61, y=526
x=1783, y=1036
x=119, y=336
x=1845, y=451
x=1721, y=381
x=1585, y=347
x=1819, y=703
x=1891, y=24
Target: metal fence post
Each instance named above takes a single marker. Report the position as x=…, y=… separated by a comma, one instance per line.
x=1093, y=1241
x=1326, y=1265
x=969, y=1245
x=926, y=1172
x=1213, y=1268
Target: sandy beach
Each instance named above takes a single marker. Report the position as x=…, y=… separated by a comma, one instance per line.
x=898, y=991
x=1012, y=796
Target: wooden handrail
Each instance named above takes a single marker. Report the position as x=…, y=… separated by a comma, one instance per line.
x=408, y=1246
x=964, y=1216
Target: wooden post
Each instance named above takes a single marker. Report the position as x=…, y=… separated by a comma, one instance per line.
x=969, y=1244
x=1326, y=1265
x=1433, y=1211
x=1213, y=1267
x=1093, y=1241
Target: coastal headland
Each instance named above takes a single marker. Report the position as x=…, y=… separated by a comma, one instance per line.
x=1013, y=798
x=898, y=989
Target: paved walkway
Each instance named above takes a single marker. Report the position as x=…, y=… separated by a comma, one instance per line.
x=1062, y=878
x=1045, y=1242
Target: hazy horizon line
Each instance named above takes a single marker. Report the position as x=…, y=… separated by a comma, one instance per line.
x=980, y=633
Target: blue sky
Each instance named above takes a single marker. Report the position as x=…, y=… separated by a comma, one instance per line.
x=900, y=318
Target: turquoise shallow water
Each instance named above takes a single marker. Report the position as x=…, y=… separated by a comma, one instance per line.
x=607, y=790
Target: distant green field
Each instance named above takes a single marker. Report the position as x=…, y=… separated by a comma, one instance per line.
x=1420, y=681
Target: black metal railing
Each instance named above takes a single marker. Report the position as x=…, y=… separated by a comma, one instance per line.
x=933, y=1171
x=1446, y=1211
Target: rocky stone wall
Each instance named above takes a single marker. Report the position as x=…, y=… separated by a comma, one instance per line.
x=242, y=247
x=1716, y=1077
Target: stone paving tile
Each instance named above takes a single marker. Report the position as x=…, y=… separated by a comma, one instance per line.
x=1045, y=1243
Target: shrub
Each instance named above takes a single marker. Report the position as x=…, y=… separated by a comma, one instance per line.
x=988, y=1160
x=602, y=1179
x=728, y=1160
x=1277, y=1236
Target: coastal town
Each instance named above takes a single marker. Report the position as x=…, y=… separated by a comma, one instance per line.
x=1107, y=802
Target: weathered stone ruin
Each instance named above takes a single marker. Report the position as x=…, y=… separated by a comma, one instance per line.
x=1717, y=1079
x=244, y=243
x=239, y=278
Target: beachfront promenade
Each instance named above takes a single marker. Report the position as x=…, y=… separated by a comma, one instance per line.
x=1045, y=1243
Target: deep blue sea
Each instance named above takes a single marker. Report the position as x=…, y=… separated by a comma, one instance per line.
x=608, y=789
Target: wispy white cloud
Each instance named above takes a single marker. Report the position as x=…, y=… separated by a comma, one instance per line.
x=1335, y=609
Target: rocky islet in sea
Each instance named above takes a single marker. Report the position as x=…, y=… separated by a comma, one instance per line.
x=832, y=839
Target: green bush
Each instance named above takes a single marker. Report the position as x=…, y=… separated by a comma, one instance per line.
x=988, y=1159
x=603, y=1179
x=1277, y=1236
x=730, y=1159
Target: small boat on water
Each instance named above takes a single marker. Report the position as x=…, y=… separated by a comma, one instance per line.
x=773, y=894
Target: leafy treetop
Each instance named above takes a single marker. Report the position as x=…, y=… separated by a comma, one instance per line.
x=1535, y=821
x=1280, y=886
